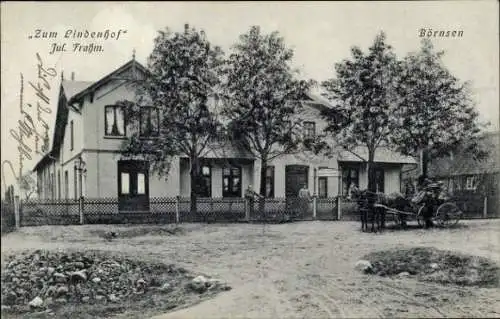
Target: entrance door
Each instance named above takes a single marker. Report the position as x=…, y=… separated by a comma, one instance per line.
x=133, y=186
x=295, y=177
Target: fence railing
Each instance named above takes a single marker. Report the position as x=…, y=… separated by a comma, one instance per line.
x=176, y=210
x=164, y=210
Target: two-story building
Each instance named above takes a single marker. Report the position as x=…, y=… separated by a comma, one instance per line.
x=85, y=158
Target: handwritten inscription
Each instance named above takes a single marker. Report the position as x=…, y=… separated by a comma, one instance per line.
x=81, y=38
x=32, y=126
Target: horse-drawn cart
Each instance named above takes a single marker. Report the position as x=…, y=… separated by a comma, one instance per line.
x=447, y=214
x=432, y=204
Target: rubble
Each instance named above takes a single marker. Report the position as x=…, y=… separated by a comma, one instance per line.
x=37, y=302
x=45, y=280
x=364, y=266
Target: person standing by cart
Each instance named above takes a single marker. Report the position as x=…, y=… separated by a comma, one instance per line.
x=428, y=200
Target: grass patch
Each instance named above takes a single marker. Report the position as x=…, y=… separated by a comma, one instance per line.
x=442, y=266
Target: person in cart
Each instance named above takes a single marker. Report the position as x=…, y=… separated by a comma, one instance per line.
x=423, y=184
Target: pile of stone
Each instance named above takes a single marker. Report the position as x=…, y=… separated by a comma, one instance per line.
x=47, y=280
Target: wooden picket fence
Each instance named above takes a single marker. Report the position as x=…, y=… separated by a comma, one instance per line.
x=165, y=210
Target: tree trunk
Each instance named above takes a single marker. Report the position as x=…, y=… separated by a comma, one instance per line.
x=372, y=188
x=425, y=162
x=194, y=172
x=262, y=187
x=372, y=183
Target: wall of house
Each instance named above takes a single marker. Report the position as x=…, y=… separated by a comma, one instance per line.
x=102, y=174
x=51, y=187
x=102, y=179
x=312, y=114
x=310, y=160
x=392, y=181
x=67, y=153
x=247, y=178
x=392, y=178
x=93, y=113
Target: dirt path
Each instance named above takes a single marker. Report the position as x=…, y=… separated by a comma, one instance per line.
x=297, y=270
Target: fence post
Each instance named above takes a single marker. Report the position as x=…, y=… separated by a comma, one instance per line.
x=80, y=210
x=247, y=210
x=339, y=208
x=314, y=206
x=177, y=208
x=17, y=211
x=485, y=207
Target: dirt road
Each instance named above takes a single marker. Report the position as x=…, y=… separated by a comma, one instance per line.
x=296, y=270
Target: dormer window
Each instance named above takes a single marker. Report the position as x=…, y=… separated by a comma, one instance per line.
x=114, y=120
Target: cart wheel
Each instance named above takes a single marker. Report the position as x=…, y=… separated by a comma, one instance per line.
x=420, y=216
x=448, y=214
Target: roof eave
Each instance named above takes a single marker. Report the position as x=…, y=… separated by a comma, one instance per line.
x=105, y=79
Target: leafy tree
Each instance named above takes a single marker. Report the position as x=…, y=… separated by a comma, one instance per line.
x=28, y=185
x=184, y=76
x=436, y=113
x=263, y=97
x=364, y=99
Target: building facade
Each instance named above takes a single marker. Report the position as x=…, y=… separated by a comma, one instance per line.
x=85, y=158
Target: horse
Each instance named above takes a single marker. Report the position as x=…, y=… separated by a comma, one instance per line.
x=366, y=201
x=396, y=201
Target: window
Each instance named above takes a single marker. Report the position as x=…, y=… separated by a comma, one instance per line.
x=323, y=187
x=39, y=183
x=114, y=120
x=150, y=121
x=75, y=184
x=141, y=184
x=72, y=135
x=204, y=188
x=270, y=181
x=309, y=130
x=125, y=183
x=66, y=185
x=59, y=184
x=231, y=182
x=470, y=183
x=52, y=186
x=379, y=179
x=450, y=185
x=350, y=176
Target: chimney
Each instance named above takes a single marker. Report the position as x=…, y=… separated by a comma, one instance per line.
x=72, y=76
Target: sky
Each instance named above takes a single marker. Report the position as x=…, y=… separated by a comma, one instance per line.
x=321, y=34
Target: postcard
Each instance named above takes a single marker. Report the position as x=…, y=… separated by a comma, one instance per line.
x=250, y=159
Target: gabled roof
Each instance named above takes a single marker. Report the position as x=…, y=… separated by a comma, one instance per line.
x=72, y=91
x=464, y=164
x=71, y=88
x=46, y=159
x=111, y=76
